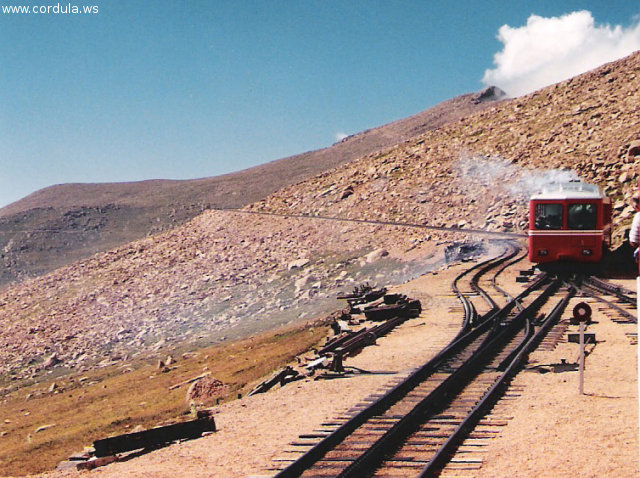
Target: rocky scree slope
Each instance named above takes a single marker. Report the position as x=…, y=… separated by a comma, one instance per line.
x=61, y=224
x=223, y=274
x=227, y=272
x=478, y=172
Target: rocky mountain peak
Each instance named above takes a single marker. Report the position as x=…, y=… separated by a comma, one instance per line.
x=491, y=93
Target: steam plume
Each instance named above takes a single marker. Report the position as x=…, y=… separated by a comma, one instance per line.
x=497, y=173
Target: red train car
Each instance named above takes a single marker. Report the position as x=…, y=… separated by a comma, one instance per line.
x=569, y=223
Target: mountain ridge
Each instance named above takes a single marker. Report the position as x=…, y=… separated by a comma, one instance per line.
x=106, y=215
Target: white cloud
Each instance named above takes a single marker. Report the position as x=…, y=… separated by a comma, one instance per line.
x=340, y=136
x=549, y=50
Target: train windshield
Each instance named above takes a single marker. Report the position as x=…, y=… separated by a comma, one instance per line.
x=582, y=216
x=548, y=216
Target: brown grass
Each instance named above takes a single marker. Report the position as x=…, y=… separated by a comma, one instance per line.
x=114, y=400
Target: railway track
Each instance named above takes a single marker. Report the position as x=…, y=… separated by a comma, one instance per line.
x=456, y=230
x=619, y=302
x=480, y=280
x=416, y=426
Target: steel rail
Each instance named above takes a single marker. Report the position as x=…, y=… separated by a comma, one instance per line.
x=470, y=312
x=502, y=269
x=505, y=260
x=511, y=365
x=381, y=404
x=620, y=292
x=516, y=302
x=596, y=294
x=512, y=235
x=444, y=393
x=458, y=230
x=475, y=280
x=463, y=339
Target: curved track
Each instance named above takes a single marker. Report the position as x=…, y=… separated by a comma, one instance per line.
x=620, y=301
x=498, y=264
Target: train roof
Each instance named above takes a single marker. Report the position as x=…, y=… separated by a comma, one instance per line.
x=569, y=190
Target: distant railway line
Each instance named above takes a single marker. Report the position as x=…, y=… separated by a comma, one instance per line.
x=506, y=235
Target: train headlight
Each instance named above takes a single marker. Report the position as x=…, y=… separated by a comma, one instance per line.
x=543, y=252
x=587, y=252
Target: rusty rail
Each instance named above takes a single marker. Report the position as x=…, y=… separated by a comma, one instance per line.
x=511, y=365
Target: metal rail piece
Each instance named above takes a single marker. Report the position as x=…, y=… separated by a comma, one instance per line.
x=596, y=293
x=511, y=366
x=604, y=287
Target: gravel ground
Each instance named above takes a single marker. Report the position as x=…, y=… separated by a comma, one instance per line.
x=554, y=431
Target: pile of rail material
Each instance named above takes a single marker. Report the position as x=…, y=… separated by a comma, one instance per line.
x=387, y=310
x=284, y=376
x=393, y=305
x=376, y=305
x=363, y=294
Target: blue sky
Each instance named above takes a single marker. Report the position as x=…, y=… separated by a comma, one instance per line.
x=178, y=90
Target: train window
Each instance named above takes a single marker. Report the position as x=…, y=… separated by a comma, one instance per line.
x=582, y=216
x=548, y=216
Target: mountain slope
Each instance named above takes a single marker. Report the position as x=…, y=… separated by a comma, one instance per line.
x=479, y=171
x=61, y=224
x=227, y=273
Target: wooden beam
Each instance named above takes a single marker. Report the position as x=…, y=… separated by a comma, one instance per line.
x=155, y=436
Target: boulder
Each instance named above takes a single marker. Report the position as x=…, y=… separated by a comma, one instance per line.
x=205, y=390
x=348, y=191
x=634, y=150
x=376, y=255
x=302, y=282
x=51, y=361
x=44, y=427
x=491, y=93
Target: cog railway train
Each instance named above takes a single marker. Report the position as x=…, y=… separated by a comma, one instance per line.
x=569, y=223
